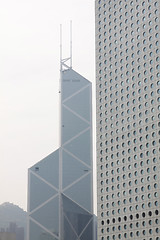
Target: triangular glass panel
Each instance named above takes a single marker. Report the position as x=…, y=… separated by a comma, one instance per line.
x=88, y=233
x=72, y=82
x=68, y=233
x=72, y=169
x=76, y=215
x=71, y=125
x=48, y=168
x=38, y=233
x=81, y=103
x=39, y=192
x=81, y=147
x=48, y=216
x=80, y=192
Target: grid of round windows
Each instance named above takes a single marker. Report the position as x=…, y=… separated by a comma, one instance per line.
x=128, y=134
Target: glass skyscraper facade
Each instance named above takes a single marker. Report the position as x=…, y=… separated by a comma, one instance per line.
x=128, y=119
x=60, y=199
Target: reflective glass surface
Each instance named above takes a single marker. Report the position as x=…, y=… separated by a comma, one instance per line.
x=71, y=83
x=48, y=168
x=48, y=216
x=61, y=183
x=80, y=103
x=88, y=233
x=81, y=147
x=38, y=233
x=39, y=192
x=68, y=231
x=72, y=169
x=75, y=215
x=75, y=192
x=71, y=125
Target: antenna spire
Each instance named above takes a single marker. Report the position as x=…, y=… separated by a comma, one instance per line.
x=63, y=61
x=71, y=44
x=61, y=46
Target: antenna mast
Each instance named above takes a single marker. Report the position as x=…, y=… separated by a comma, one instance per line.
x=70, y=44
x=61, y=47
x=64, y=60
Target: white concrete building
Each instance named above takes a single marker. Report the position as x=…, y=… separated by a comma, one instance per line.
x=128, y=119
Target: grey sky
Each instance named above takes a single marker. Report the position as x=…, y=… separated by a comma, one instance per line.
x=29, y=81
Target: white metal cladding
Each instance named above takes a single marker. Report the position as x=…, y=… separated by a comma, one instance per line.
x=128, y=119
x=60, y=200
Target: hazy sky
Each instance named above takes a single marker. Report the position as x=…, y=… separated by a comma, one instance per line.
x=29, y=81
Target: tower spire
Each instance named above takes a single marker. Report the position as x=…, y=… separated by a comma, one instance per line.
x=61, y=47
x=70, y=44
x=63, y=61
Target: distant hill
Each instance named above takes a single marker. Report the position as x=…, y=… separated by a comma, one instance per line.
x=12, y=213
